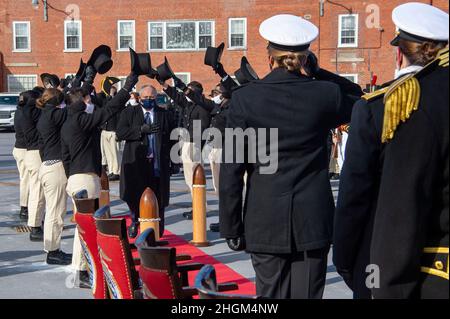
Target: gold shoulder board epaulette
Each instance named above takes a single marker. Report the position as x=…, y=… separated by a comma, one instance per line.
x=400, y=101
x=373, y=95
x=443, y=58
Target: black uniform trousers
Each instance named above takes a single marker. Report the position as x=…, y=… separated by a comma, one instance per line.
x=299, y=275
x=154, y=184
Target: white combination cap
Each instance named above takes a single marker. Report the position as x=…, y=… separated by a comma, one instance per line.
x=420, y=22
x=287, y=32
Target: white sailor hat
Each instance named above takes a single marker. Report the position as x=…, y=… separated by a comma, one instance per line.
x=287, y=32
x=420, y=22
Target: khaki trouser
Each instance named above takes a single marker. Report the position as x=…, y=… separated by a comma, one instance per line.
x=54, y=182
x=110, y=152
x=36, y=200
x=190, y=156
x=19, y=156
x=91, y=183
x=215, y=158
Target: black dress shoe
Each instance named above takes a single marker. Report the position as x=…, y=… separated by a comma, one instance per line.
x=59, y=257
x=36, y=234
x=215, y=227
x=188, y=215
x=23, y=215
x=84, y=281
x=133, y=230
x=114, y=177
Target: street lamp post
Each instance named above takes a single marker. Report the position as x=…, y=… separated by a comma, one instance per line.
x=35, y=4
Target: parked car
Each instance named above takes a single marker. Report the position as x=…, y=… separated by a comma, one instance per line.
x=8, y=106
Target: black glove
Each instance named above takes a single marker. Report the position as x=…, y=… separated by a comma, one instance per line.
x=179, y=83
x=90, y=74
x=150, y=129
x=236, y=244
x=311, y=66
x=220, y=71
x=131, y=82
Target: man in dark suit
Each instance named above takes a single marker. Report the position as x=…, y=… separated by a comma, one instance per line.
x=146, y=129
x=191, y=112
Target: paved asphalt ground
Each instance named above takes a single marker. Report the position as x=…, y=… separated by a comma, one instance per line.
x=25, y=275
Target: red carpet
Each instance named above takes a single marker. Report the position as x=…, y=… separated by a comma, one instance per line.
x=224, y=273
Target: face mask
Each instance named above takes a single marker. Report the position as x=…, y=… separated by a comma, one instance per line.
x=62, y=105
x=133, y=102
x=148, y=104
x=218, y=99
x=90, y=108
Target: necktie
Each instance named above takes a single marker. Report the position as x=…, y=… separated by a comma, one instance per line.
x=152, y=151
x=148, y=121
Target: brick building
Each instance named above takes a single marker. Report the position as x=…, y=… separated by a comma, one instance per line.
x=354, y=38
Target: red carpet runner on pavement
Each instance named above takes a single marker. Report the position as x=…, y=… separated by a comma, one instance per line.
x=224, y=273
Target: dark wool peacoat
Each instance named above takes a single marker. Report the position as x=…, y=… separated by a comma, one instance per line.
x=291, y=210
x=136, y=169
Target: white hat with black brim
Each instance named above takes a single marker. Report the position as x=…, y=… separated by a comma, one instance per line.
x=420, y=22
x=286, y=32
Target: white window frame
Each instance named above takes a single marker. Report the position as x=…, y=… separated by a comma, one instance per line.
x=178, y=74
x=347, y=45
x=21, y=75
x=355, y=75
x=244, y=47
x=28, y=23
x=197, y=35
x=119, y=49
x=80, y=25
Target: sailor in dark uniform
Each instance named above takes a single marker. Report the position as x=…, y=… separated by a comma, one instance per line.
x=286, y=219
x=411, y=229
x=372, y=225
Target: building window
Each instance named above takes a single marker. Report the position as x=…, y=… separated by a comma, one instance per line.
x=72, y=36
x=348, y=31
x=20, y=83
x=21, y=34
x=205, y=34
x=126, y=34
x=237, y=33
x=183, y=76
x=351, y=77
x=180, y=35
x=156, y=36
